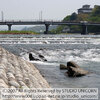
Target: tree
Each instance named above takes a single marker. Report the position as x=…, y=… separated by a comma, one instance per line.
x=96, y=11
x=82, y=17
x=67, y=18
x=73, y=16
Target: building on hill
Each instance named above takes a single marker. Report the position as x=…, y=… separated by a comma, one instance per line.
x=85, y=9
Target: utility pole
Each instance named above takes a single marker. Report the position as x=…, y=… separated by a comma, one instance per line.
x=2, y=16
x=33, y=16
x=41, y=15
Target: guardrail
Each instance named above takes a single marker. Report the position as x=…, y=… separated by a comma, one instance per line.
x=30, y=20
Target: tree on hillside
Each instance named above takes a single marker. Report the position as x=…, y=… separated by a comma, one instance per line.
x=95, y=15
x=73, y=16
x=82, y=17
x=96, y=11
x=67, y=18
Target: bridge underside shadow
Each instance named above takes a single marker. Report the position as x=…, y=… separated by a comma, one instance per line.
x=47, y=28
x=84, y=30
x=9, y=27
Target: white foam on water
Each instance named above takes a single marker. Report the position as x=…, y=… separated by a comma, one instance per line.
x=51, y=40
x=74, y=55
x=44, y=63
x=57, y=56
x=61, y=55
x=25, y=56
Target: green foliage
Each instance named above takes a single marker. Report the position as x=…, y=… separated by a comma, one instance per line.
x=94, y=19
x=82, y=17
x=58, y=30
x=73, y=17
x=17, y=32
x=75, y=29
x=67, y=18
x=94, y=16
x=96, y=11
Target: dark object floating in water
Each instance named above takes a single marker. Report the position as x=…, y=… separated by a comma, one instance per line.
x=74, y=70
x=63, y=67
x=31, y=57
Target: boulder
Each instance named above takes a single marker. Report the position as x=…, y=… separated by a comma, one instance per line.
x=37, y=57
x=63, y=67
x=45, y=59
x=31, y=57
x=73, y=64
x=74, y=70
x=42, y=57
x=41, y=48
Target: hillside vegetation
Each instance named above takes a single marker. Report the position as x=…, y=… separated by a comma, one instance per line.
x=94, y=16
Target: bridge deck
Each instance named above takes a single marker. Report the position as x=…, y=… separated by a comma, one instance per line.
x=48, y=22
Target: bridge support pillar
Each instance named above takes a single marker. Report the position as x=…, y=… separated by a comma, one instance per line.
x=47, y=28
x=84, y=30
x=9, y=27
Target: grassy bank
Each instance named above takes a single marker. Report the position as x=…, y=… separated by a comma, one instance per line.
x=18, y=32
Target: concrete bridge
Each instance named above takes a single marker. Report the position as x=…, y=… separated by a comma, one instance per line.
x=84, y=24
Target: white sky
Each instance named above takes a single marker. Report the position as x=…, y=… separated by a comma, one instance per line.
x=51, y=9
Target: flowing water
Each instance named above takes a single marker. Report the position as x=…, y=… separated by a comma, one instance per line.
x=59, y=49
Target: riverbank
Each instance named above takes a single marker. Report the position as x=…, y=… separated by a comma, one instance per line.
x=18, y=32
x=18, y=73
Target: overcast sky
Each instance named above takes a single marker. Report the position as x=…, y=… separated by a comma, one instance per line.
x=51, y=9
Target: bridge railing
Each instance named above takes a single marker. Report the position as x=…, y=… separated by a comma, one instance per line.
x=48, y=20
x=30, y=20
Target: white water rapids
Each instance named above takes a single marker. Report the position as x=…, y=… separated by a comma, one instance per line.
x=59, y=49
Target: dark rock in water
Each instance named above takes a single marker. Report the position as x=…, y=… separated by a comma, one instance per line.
x=63, y=67
x=41, y=48
x=36, y=58
x=45, y=59
x=41, y=56
x=74, y=70
x=73, y=64
x=31, y=57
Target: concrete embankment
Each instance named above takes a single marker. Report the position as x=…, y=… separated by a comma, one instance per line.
x=18, y=73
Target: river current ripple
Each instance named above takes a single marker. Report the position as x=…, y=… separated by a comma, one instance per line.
x=59, y=49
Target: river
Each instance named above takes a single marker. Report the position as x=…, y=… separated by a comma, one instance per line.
x=59, y=49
